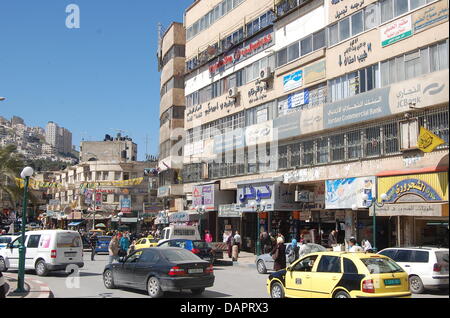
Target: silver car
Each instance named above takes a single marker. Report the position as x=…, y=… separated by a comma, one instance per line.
x=265, y=262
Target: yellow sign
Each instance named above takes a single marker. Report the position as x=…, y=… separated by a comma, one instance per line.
x=428, y=141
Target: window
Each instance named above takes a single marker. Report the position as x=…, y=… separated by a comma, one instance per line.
x=329, y=264
x=319, y=40
x=306, y=45
x=344, y=29
x=282, y=57
x=293, y=52
x=354, y=145
x=370, y=17
x=387, y=10
x=400, y=7
x=306, y=264
x=373, y=145
x=33, y=241
x=389, y=253
x=333, y=34
x=357, y=23
x=403, y=256
x=417, y=3
x=337, y=147
x=308, y=153
x=322, y=150
x=420, y=257
x=381, y=266
x=349, y=266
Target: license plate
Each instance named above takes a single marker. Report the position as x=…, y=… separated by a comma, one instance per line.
x=195, y=270
x=70, y=254
x=391, y=282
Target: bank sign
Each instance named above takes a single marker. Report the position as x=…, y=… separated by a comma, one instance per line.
x=242, y=52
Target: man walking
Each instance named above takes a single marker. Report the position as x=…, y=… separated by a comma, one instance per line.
x=93, y=240
x=332, y=239
x=113, y=249
x=237, y=241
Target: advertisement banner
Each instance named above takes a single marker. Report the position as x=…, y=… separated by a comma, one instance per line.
x=430, y=16
x=125, y=205
x=293, y=81
x=344, y=193
x=298, y=99
x=396, y=31
x=98, y=199
x=203, y=195
x=315, y=72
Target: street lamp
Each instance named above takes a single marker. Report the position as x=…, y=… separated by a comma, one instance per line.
x=374, y=204
x=27, y=172
x=259, y=209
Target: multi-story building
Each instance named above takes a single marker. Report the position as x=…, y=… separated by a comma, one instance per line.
x=15, y=120
x=302, y=107
x=58, y=137
x=119, y=149
x=171, y=61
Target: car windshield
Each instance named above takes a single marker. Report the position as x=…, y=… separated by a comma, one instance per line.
x=179, y=255
x=152, y=240
x=381, y=265
x=68, y=240
x=5, y=239
x=200, y=244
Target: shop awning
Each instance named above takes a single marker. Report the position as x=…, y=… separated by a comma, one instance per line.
x=75, y=223
x=412, y=171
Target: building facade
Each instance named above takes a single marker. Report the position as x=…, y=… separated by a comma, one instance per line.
x=171, y=61
x=311, y=110
x=118, y=149
x=58, y=137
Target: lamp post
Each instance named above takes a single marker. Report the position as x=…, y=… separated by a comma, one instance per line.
x=374, y=204
x=27, y=172
x=259, y=208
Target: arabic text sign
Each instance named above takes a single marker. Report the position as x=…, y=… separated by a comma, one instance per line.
x=430, y=16
x=396, y=31
x=415, y=209
x=203, y=195
x=412, y=186
x=259, y=133
x=344, y=193
x=125, y=205
x=298, y=99
x=362, y=107
x=293, y=81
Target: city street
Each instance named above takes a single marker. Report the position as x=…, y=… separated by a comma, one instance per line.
x=237, y=281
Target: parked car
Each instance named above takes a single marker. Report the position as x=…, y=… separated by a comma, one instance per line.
x=146, y=242
x=47, y=250
x=427, y=267
x=158, y=270
x=200, y=248
x=103, y=244
x=265, y=262
x=186, y=232
x=340, y=275
x=5, y=239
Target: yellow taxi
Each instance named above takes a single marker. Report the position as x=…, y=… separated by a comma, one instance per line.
x=146, y=242
x=340, y=275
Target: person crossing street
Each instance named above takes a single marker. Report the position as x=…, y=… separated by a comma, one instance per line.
x=93, y=240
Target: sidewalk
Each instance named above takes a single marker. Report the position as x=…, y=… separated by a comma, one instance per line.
x=34, y=288
x=245, y=259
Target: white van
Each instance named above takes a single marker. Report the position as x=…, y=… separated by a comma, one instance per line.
x=47, y=250
x=186, y=232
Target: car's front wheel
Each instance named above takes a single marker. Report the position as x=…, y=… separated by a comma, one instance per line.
x=108, y=279
x=41, y=268
x=276, y=291
x=261, y=267
x=416, y=285
x=3, y=267
x=154, y=288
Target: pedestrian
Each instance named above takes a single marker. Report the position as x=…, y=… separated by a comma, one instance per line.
x=2, y=286
x=124, y=245
x=353, y=247
x=132, y=247
x=230, y=245
x=293, y=251
x=93, y=240
x=273, y=240
x=279, y=255
x=208, y=237
x=113, y=249
x=367, y=247
x=237, y=240
x=225, y=236
x=332, y=239
x=265, y=241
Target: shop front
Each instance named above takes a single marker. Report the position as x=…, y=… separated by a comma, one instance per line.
x=417, y=205
x=269, y=202
x=229, y=218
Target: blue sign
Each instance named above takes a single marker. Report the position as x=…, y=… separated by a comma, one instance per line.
x=293, y=81
x=412, y=186
x=298, y=99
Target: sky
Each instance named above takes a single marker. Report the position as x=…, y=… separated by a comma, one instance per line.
x=94, y=80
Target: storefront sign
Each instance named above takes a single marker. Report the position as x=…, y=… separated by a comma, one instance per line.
x=152, y=207
x=363, y=107
x=344, y=193
x=203, y=195
x=242, y=52
x=293, y=81
x=179, y=217
x=298, y=99
x=230, y=211
x=315, y=72
x=396, y=31
x=430, y=16
x=357, y=51
x=125, y=205
x=257, y=93
x=408, y=210
x=258, y=134
x=163, y=191
x=200, y=111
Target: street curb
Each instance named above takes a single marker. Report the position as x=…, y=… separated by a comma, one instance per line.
x=35, y=287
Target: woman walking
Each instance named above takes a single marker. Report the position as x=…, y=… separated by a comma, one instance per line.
x=279, y=255
x=113, y=249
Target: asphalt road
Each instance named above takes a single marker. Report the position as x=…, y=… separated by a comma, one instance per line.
x=232, y=281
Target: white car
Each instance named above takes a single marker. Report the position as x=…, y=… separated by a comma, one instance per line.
x=47, y=250
x=427, y=267
x=5, y=239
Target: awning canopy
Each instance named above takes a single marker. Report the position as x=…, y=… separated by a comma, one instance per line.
x=412, y=171
x=75, y=223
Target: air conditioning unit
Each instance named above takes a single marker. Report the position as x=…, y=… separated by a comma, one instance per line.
x=304, y=196
x=265, y=74
x=233, y=92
